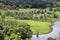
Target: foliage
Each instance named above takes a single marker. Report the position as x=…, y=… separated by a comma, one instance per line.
x=1, y=35
x=55, y=16
x=14, y=4
x=13, y=30
x=25, y=31
x=35, y=15
x=51, y=38
x=13, y=37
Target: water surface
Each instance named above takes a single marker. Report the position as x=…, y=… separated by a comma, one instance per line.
x=53, y=34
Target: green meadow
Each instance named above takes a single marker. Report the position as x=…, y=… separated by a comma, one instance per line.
x=38, y=26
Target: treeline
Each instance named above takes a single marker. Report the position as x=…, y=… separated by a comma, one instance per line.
x=13, y=4
x=41, y=15
x=16, y=4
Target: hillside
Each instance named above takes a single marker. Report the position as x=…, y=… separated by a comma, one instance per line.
x=15, y=4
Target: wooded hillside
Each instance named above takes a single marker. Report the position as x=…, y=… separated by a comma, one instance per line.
x=13, y=4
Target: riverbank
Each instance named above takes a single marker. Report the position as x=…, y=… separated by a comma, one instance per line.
x=53, y=34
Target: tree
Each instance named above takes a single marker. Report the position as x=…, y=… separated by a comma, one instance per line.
x=55, y=16
x=13, y=28
x=25, y=31
x=41, y=17
x=0, y=13
x=1, y=27
x=6, y=38
x=13, y=36
x=2, y=6
x=2, y=16
x=1, y=35
x=50, y=9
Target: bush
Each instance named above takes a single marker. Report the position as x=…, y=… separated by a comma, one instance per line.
x=13, y=36
x=41, y=17
x=12, y=28
x=25, y=31
x=55, y=16
x=51, y=38
x=1, y=35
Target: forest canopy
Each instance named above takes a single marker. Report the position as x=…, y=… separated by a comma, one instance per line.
x=15, y=4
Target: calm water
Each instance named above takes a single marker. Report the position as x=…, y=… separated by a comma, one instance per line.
x=53, y=34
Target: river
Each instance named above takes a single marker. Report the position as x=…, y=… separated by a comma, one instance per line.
x=53, y=34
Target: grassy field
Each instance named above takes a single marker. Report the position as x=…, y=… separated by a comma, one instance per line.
x=37, y=26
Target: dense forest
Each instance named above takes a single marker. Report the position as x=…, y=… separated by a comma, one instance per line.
x=15, y=4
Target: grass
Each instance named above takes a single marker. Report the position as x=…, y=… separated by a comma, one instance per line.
x=37, y=26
